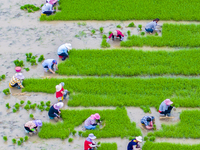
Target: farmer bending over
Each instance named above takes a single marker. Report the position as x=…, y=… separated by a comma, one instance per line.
x=89, y=144
x=63, y=50
x=115, y=34
x=148, y=121
x=165, y=107
x=150, y=27
x=133, y=144
x=48, y=65
x=47, y=9
x=54, y=112
x=16, y=80
x=91, y=122
x=31, y=126
x=61, y=92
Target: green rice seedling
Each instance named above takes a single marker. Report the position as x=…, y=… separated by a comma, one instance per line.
x=42, y=103
x=33, y=106
x=27, y=107
x=150, y=134
x=30, y=55
x=118, y=26
x=101, y=29
x=98, y=143
x=142, y=33
x=104, y=36
x=59, y=7
x=21, y=102
x=28, y=102
x=74, y=132
x=41, y=58
x=108, y=146
x=79, y=24
x=26, y=138
x=31, y=116
x=109, y=33
x=5, y=138
x=156, y=34
x=48, y=103
x=131, y=24
x=41, y=5
x=47, y=108
x=129, y=33
x=152, y=138
x=104, y=44
x=140, y=27
x=3, y=76
x=27, y=69
x=70, y=140
x=54, y=8
x=6, y=91
x=154, y=127
x=93, y=31
x=84, y=24
x=19, y=63
x=8, y=106
x=146, y=138
x=22, y=7
x=146, y=109
x=17, y=106
x=21, y=139
x=30, y=8
x=14, y=110
x=169, y=146
x=33, y=62
x=14, y=141
x=19, y=143
x=80, y=133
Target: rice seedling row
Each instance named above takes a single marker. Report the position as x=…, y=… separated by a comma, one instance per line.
x=112, y=119
x=131, y=62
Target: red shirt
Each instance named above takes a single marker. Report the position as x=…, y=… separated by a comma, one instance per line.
x=86, y=145
x=118, y=33
x=59, y=94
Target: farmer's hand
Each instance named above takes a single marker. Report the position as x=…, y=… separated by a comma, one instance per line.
x=107, y=39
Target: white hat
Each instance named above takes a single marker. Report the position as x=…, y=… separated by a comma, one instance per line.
x=69, y=46
x=19, y=76
x=139, y=138
x=115, y=33
x=91, y=136
x=58, y=87
x=58, y=105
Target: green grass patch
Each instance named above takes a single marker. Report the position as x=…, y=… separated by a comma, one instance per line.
x=129, y=10
x=189, y=119
x=122, y=91
x=131, y=62
x=169, y=146
x=113, y=119
x=173, y=35
x=108, y=146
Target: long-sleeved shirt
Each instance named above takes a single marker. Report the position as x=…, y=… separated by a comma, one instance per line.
x=118, y=33
x=144, y=120
x=62, y=49
x=151, y=25
x=53, y=112
x=48, y=62
x=14, y=80
x=89, y=121
x=30, y=125
x=47, y=7
x=163, y=107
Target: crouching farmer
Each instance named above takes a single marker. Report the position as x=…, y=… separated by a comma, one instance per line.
x=116, y=34
x=16, y=81
x=148, y=122
x=61, y=93
x=63, y=51
x=91, y=122
x=48, y=65
x=89, y=144
x=54, y=112
x=133, y=144
x=31, y=126
x=165, y=108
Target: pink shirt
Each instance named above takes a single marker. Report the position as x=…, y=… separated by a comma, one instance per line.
x=118, y=33
x=89, y=121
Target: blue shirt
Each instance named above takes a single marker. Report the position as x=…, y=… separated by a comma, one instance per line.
x=131, y=144
x=151, y=25
x=48, y=62
x=47, y=7
x=144, y=120
x=62, y=49
x=163, y=106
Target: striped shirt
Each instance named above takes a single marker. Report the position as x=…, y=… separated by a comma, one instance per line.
x=30, y=125
x=14, y=80
x=144, y=120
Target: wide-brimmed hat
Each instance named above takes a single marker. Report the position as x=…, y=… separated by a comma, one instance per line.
x=168, y=102
x=58, y=87
x=58, y=105
x=91, y=136
x=97, y=116
x=19, y=76
x=139, y=138
x=68, y=45
x=37, y=122
x=115, y=33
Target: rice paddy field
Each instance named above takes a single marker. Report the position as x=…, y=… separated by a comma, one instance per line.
x=121, y=80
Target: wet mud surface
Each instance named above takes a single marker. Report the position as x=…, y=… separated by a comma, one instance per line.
x=20, y=33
